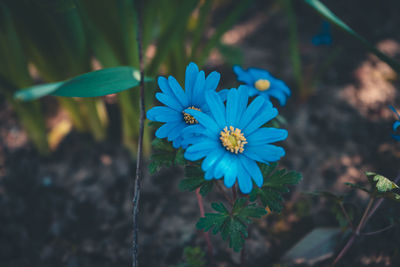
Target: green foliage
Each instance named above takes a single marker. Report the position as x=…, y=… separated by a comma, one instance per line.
x=382, y=183
x=195, y=179
x=193, y=257
x=383, y=187
x=276, y=182
x=332, y=18
x=96, y=83
x=164, y=155
x=231, y=224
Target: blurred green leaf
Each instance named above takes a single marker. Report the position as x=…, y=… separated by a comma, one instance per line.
x=232, y=225
x=356, y=186
x=331, y=17
x=164, y=155
x=96, y=83
x=193, y=256
x=381, y=183
x=275, y=183
x=194, y=178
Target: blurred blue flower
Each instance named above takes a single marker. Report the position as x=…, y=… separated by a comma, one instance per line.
x=231, y=139
x=396, y=124
x=177, y=100
x=324, y=36
x=261, y=82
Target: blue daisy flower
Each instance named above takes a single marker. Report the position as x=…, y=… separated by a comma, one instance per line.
x=261, y=82
x=177, y=100
x=396, y=124
x=231, y=139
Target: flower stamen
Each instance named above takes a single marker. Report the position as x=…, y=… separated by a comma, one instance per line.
x=262, y=84
x=233, y=139
x=189, y=119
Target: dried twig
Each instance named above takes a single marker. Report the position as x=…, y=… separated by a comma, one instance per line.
x=138, y=176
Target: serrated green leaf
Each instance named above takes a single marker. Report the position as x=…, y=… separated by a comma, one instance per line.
x=232, y=225
x=206, y=188
x=219, y=207
x=92, y=84
x=164, y=155
x=276, y=182
x=211, y=220
x=331, y=17
x=382, y=183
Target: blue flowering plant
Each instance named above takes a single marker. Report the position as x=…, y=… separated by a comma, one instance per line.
x=225, y=142
x=396, y=124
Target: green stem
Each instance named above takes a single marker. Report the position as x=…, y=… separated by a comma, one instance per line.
x=72, y=107
x=294, y=48
x=96, y=125
x=32, y=120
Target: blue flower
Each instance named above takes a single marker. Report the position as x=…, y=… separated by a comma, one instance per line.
x=396, y=124
x=177, y=100
x=324, y=36
x=231, y=139
x=261, y=82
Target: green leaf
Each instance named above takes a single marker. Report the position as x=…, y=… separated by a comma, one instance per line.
x=232, y=225
x=331, y=17
x=195, y=179
x=96, y=83
x=275, y=183
x=163, y=155
x=356, y=186
x=382, y=183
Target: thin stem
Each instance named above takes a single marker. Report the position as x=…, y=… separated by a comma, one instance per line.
x=379, y=231
x=234, y=193
x=346, y=215
x=206, y=234
x=360, y=226
x=243, y=255
x=223, y=192
x=138, y=176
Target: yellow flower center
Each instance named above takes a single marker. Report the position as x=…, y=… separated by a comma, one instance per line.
x=262, y=84
x=189, y=119
x=233, y=139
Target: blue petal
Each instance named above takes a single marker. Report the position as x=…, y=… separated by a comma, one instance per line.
x=164, y=86
x=242, y=75
x=204, y=120
x=253, y=109
x=223, y=165
x=164, y=130
x=282, y=98
x=217, y=108
x=198, y=89
x=212, y=158
x=281, y=86
x=206, y=145
x=170, y=101
x=209, y=174
x=176, y=131
x=223, y=94
x=253, y=169
x=245, y=183
x=231, y=173
x=190, y=77
x=396, y=137
x=212, y=81
x=193, y=156
x=264, y=153
x=163, y=114
x=266, y=115
x=396, y=125
x=266, y=135
x=259, y=74
x=178, y=91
